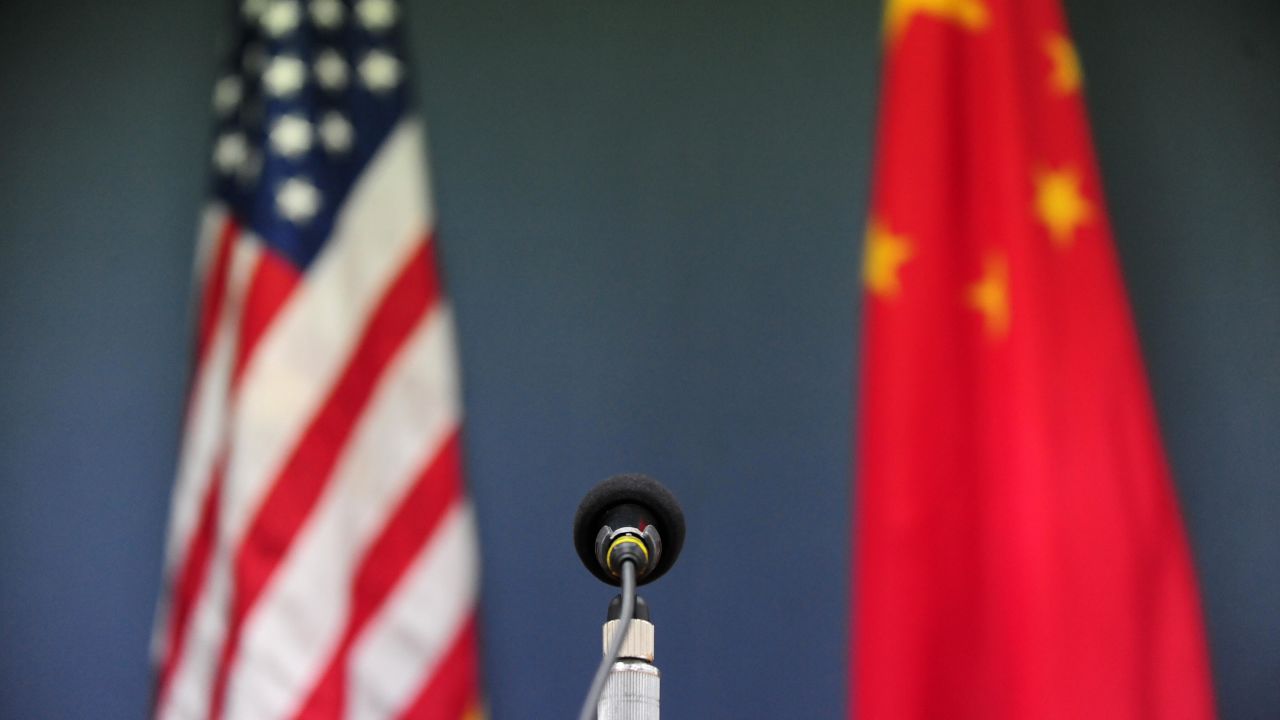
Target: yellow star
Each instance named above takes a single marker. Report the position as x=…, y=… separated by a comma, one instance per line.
x=1066, y=76
x=990, y=295
x=884, y=255
x=1060, y=205
x=968, y=14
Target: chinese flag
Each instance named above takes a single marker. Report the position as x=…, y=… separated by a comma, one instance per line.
x=1019, y=550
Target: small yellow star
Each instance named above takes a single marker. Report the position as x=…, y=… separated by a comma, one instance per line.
x=968, y=14
x=1066, y=76
x=990, y=295
x=1060, y=205
x=883, y=256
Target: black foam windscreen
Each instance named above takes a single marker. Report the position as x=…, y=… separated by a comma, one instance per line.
x=623, y=490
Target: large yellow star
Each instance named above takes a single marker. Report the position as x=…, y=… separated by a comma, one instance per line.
x=1060, y=205
x=1065, y=77
x=968, y=14
x=883, y=256
x=990, y=295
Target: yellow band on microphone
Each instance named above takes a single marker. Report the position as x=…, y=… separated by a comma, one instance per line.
x=608, y=556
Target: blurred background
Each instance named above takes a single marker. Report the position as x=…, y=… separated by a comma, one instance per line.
x=651, y=217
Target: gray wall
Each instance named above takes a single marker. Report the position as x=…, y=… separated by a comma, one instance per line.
x=650, y=215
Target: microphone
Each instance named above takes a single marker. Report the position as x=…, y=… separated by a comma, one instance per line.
x=628, y=531
x=628, y=517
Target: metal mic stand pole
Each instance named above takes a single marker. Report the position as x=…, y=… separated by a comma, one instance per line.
x=631, y=692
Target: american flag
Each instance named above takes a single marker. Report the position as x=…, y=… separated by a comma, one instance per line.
x=321, y=559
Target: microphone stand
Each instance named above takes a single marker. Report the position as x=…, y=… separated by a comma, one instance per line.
x=632, y=689
x=626, y=684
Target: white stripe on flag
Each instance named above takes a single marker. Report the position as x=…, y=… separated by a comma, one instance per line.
x=404, y=643
x=204, y=440
x=290, y=636
x=209, y=401
x=188, y=696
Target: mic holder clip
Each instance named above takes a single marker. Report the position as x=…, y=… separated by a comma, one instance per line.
x=643, y=547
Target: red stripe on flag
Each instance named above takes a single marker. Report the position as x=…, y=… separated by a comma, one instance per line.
x=215, y=290
x=274, y=279
x=189, y=582
x=454, y=689
x=384, y=563
x=299, y=485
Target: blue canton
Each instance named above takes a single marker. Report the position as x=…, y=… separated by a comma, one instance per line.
x=308, y=94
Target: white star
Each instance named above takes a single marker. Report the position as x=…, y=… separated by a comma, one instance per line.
x=297, y=200
x=229, y=152
x=380, y=71
x=253, y=9
x=284, y=76
x=226, y=94
x=376, y=15
x=254, y=58
x=331, y=70
x=291, y=136
x=336, y=133
x=281, y=17
x=327, y=14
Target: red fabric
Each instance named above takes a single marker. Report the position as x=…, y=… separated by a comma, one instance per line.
x=1019, y=551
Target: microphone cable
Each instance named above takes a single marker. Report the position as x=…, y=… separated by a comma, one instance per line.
x=625, y=614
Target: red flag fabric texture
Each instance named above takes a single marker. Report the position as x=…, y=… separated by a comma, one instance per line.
x=322, y=558
x=1019, y=552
